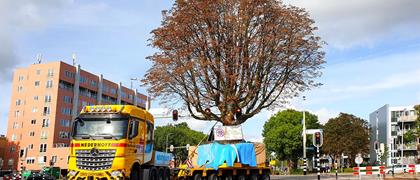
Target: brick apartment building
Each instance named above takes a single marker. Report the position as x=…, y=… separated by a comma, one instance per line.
x=45, y=99
x=3, y=145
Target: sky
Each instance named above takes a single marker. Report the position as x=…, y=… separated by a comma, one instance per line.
x=372, y=51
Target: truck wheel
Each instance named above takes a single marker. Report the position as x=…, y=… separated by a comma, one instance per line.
x=134, y=174
x=198, y=177
x=213, y=177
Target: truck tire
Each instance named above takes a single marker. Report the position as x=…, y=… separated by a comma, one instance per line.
x=153, y=173
x=198, y=176
x=228, y=177
x=167, y=174
x=213, y=177
x=161, y=174
x=265, y=176
x=254, y=176
x=134, y=174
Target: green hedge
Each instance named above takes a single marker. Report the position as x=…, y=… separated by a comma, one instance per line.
x=296, y=171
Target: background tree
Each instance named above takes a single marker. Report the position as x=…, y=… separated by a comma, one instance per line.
x=417, y=124
x=231, y=54
x=283, y=134
x=346, y=134
x=179, y=135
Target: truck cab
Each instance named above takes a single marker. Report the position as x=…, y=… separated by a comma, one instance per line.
x=115, y=142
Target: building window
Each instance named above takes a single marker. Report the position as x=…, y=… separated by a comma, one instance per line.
x=45, y=122
x=35, y=98
x=21, y=78
x=15, y=125
x=17, y=113
x=38, y=72
x=47, y=98
x=64, y=135
x=69, y=74
x=33, y=121
x=20, y=88
x=34, y=109
x=43, y=148
x=14, y=137
x=65, y=85
x=31, y=146
x=49, y=83
x=42, y=159
x=65, y=123
x=66, y=111
x=32, y=133
x=46, y=111
x=44, y=134
x=50, y=72
x=36, y=83
x=82, y=79
x=18, y=102
x=67, y=99
x=113, y=91
x=30, y=160
x=93, y=83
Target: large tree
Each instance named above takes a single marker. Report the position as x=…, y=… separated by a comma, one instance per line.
x=346, y=134
x=178, y=135
x=225, y=55
x=283, y=134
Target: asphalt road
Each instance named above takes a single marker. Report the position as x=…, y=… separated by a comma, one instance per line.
x=343, y=177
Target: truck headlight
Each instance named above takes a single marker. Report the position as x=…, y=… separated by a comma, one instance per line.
x=72, y=173
x=116, y=173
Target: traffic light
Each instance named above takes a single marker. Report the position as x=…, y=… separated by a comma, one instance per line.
x=175, y=115
x=238, y=113
x=318, y=139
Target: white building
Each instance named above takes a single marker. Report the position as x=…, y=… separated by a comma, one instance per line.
x=388, y=124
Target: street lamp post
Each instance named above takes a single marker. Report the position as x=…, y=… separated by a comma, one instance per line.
x=304, y=139
x=133, y=79
x=166, y=143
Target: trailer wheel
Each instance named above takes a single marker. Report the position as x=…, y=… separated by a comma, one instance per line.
x=254, y=176
x=213, y=177
x=229, y=177
x=265, y=176
x=153, y=173
x=198, y=176
x=167, y=174
x=161, y=174
x=241, y=177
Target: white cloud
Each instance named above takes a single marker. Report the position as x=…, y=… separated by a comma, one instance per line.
x=390, y=82
x=344, y=24
x=324, y=115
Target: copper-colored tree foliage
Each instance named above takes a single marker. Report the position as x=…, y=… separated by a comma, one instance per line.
x=230, y=54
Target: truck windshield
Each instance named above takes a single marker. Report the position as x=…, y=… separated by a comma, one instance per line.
x=92, y=128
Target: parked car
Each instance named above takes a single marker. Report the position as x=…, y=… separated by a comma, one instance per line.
x=398, y=169
x=12, y=176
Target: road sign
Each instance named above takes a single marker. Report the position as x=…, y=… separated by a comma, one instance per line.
x=358, y=160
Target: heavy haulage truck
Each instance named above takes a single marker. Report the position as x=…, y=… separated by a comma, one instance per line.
x=115, y=142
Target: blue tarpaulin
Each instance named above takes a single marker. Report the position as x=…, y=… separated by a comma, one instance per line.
x=246, y=153
x=213, y=155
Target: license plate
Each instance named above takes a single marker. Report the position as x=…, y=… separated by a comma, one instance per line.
x=91, y=174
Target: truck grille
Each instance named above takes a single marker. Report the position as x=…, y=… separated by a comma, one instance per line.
x=95, y=159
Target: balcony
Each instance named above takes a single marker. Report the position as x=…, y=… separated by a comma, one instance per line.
x=407, y=147
x=409, y=118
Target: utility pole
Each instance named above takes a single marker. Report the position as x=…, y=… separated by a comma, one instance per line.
x=304, y=139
